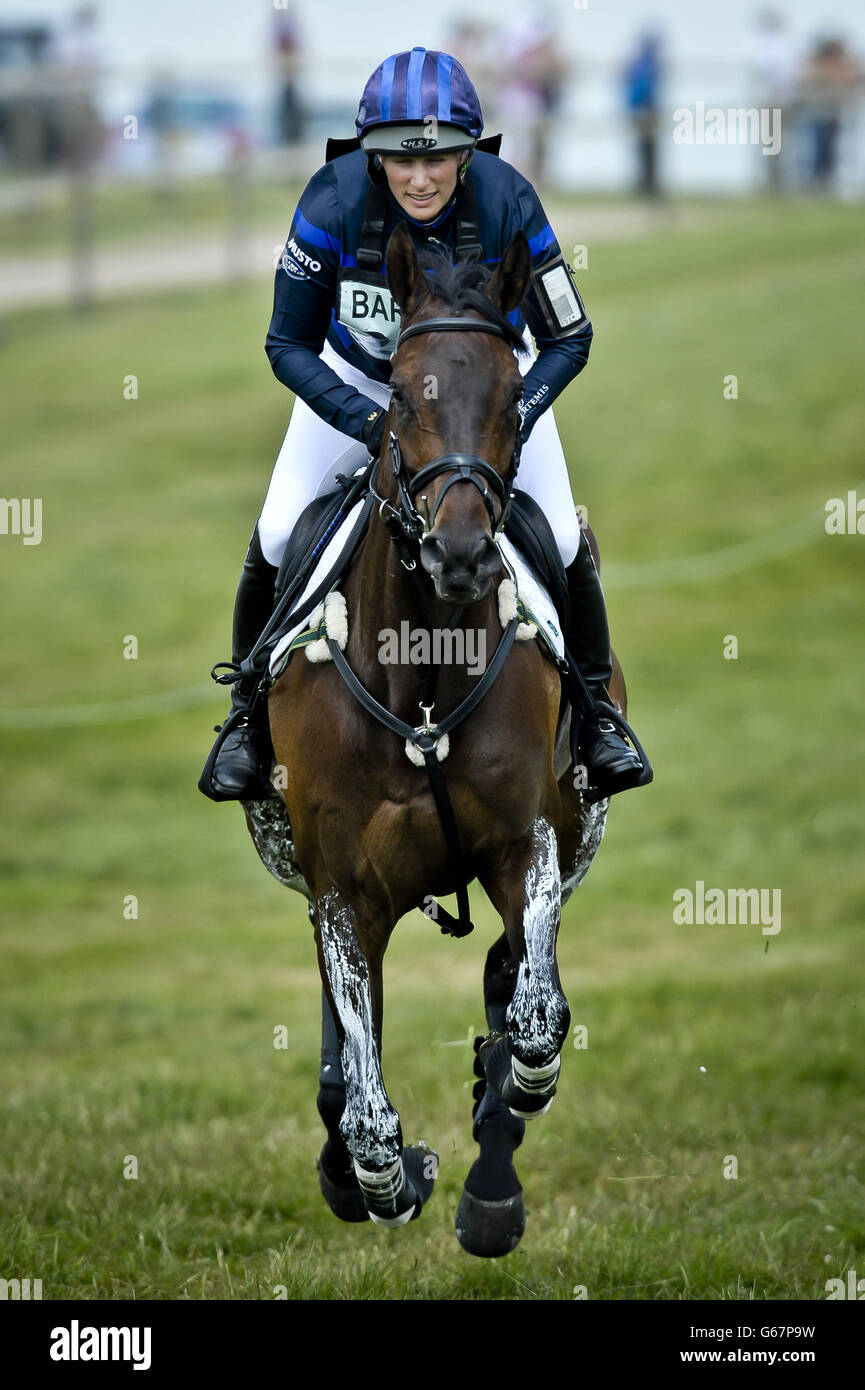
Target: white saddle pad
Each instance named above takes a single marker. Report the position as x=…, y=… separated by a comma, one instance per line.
x=531, y=592
x=534, y=597
x=326, y=563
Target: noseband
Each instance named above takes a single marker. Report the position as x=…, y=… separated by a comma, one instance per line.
x=464, y=468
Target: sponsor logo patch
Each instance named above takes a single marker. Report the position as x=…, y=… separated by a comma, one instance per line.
x=300, y=262
x=418, y=142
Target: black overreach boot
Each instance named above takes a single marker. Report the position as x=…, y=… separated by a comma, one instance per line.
x=611, y=764
x=241, y=769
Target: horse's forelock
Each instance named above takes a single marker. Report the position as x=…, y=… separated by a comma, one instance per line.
x=464, y=286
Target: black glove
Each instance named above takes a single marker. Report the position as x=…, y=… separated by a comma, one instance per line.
x=374, y=430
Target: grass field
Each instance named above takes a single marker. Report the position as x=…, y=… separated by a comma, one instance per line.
x=154, y=1037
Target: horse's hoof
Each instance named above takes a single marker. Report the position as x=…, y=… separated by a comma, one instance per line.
x=490, y=1229
x=421, y=1170
x=345, y=1202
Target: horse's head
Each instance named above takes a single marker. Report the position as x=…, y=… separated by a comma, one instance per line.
x=454, y=410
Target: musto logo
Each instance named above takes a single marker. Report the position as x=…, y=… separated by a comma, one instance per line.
x=297, y=262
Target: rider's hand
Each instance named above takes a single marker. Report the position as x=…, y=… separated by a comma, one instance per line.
x=374, y=430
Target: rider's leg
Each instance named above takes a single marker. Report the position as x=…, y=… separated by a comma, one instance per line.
x=309, y=449
x=242, y=764
x=611, y=764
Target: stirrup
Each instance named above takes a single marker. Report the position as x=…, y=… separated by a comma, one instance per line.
x=584, y=705
x=259, y=791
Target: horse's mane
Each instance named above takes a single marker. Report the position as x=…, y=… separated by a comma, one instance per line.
x=463, y=286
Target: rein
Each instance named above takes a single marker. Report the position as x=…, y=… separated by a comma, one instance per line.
x=406, y=527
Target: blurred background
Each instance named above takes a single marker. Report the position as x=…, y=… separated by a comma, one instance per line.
x=177, y=106
x=151, y=157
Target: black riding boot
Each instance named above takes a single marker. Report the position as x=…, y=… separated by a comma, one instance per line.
x=611, y=764
x=242, y=767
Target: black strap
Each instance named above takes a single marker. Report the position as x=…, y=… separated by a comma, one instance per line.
x=468, y=235
x=256, y=663
x=426, y=743
x=451, y=325
x=370, y=248
x=462, y=924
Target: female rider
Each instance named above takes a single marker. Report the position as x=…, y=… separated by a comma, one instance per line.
x=335, y=326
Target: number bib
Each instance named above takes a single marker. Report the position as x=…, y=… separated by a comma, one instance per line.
x=368, y=310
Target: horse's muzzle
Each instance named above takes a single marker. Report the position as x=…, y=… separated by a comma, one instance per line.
x=462, y=571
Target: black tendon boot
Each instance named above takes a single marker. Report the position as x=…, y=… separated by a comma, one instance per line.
x=610, y=762
x=241, y=768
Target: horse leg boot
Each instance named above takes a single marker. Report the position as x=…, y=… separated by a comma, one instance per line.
x=611, y=764
x=491, y=1216
x=242, y=767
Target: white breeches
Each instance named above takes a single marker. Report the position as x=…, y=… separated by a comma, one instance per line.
x=311, y=447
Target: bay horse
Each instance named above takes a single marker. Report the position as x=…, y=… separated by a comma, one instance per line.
x=357, y=826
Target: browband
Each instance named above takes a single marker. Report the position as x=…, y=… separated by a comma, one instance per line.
x=452, y=325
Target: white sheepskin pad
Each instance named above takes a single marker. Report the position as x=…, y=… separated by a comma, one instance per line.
x=335, y=614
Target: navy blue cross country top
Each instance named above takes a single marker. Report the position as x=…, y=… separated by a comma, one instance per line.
x=319, y=293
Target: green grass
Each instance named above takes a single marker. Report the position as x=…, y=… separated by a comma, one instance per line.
x=154, y=1037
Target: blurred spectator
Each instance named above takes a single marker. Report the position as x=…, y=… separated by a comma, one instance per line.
x=159, y=116
x=472, y=43
x=29, y=127
x=287, y=48
x=642, y=99
x=533, y=73
x=771, y=69
x=76, y=70
x=829, y=83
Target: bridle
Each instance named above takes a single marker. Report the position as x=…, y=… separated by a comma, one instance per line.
x=405, y=523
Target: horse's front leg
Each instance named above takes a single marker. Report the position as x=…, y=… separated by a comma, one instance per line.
x=394, y=1184
x=523, y=1066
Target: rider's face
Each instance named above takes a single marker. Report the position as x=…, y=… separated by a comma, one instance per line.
x=422, y=185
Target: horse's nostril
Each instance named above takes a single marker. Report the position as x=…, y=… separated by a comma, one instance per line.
x=485, y=555
x=434, y=552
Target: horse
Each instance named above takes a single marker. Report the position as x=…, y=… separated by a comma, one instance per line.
x=367, y=848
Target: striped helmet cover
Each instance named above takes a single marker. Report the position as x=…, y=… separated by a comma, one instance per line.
x=412, y=87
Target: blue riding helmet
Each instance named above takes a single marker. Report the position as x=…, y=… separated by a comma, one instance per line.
x=419, y=103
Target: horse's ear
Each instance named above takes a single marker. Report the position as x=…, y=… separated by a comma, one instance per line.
x=406, y=280
x=508, y=285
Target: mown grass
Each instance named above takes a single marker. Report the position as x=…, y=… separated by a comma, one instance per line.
x=154, y=1037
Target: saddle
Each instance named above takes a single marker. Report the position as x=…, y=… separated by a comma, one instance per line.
x=527, y=528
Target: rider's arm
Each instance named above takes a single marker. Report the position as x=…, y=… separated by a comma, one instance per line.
x=303, y=299
x=562, y=351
